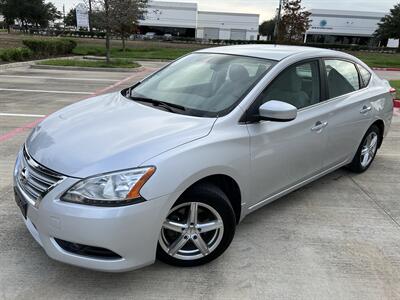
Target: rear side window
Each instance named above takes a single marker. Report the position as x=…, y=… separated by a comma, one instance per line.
x=365, y=76
x=342, y=77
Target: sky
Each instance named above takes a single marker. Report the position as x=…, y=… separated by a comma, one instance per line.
x=266, y=8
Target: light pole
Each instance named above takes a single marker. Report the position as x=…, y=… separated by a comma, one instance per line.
x=278, y=20
x=64, y=16
x=90, y=15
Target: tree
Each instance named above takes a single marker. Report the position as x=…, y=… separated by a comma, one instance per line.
x=294, y=23
x=33, y=12
x=45, y=13
x=97, y=20
x=267, y=28
x=70, y=18
x=125, y=17
x=389, y=27
x=118, y=16
x=9, y=9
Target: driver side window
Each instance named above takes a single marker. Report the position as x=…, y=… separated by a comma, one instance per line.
x=298, y=85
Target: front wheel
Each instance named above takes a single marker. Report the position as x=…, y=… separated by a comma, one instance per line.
x=198, y=228
x=367, y=150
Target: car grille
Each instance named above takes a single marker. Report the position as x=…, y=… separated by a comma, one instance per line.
x=34, y=179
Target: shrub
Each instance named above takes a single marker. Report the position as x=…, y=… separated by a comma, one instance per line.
x=16, y=54
x=50, y=47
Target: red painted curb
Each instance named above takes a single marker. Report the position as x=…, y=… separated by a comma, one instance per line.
x=18, y=130
x=396, y=103
x=386, y=69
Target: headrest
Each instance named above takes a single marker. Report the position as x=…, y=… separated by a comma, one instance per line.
x=261, y=69
x=294, y=81
x=238, y=73
x=334, y=75
x=338, y=84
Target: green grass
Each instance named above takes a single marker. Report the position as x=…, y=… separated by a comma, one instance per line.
x=383, y=60
x=167, y=51
x=396, y=85
x=89, y=50
x=115, y=63
x=136, y=53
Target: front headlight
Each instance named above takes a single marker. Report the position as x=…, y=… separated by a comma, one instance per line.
x=112, y=189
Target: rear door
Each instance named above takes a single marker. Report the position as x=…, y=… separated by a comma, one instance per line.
x=350, y=110
x=286, y=153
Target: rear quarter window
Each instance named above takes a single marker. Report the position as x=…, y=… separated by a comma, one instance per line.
x=365, y=76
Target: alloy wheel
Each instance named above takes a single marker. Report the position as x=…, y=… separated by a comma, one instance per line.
x=369, y=149
x=191, y=231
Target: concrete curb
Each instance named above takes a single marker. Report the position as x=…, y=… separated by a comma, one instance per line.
x=70, y=68
x=15, y=65
x=93, y=57
x=30, y=62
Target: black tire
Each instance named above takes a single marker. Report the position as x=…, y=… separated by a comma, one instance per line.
x=356, y=165
x=214, y=197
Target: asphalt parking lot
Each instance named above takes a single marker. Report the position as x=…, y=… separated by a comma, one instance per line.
x=338, y=238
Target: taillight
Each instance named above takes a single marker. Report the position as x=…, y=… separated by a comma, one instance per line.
x=392, y=91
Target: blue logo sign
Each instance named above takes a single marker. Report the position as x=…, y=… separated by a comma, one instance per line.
x=323, y=23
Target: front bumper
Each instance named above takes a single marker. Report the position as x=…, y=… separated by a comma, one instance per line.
x=132, y=232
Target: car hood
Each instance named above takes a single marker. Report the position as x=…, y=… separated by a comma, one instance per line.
x=109, y=133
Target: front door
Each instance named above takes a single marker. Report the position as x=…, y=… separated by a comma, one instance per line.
x=286, y=153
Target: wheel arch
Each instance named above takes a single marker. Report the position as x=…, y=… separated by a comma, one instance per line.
x=381, y=125
x=228, y=185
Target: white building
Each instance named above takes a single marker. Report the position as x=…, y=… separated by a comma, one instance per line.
x=227, y=26
x=342, y=26
x=176, y=18
x=184, y=19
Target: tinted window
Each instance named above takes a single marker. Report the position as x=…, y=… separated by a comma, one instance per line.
x=342, y=77
x=365, y=75
x=298, y=85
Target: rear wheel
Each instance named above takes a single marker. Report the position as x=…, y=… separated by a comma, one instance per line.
x=367, y=150
x=198, y=228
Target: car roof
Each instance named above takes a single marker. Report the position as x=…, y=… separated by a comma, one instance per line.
x=273, y=52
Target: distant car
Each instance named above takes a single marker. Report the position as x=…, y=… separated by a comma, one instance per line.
x=170, y=166
x=149, y=35
x=136, y=37
x=167, y=37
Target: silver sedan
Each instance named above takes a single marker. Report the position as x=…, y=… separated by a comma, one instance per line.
x=168, y=167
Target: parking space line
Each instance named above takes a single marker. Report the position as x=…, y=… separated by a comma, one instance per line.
x=45, y=91
x=16, y=131
x=101, y=91
x=59, y=78
x=21, y=115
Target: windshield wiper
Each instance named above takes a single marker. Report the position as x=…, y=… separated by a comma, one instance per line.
x=166, y=105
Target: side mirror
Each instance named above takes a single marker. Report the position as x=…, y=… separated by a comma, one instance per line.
x=277, y=111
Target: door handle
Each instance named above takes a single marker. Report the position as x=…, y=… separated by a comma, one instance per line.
x=365, y=109
x=319, y=126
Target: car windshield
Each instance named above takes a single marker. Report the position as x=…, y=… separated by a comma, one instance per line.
x=203, y=84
